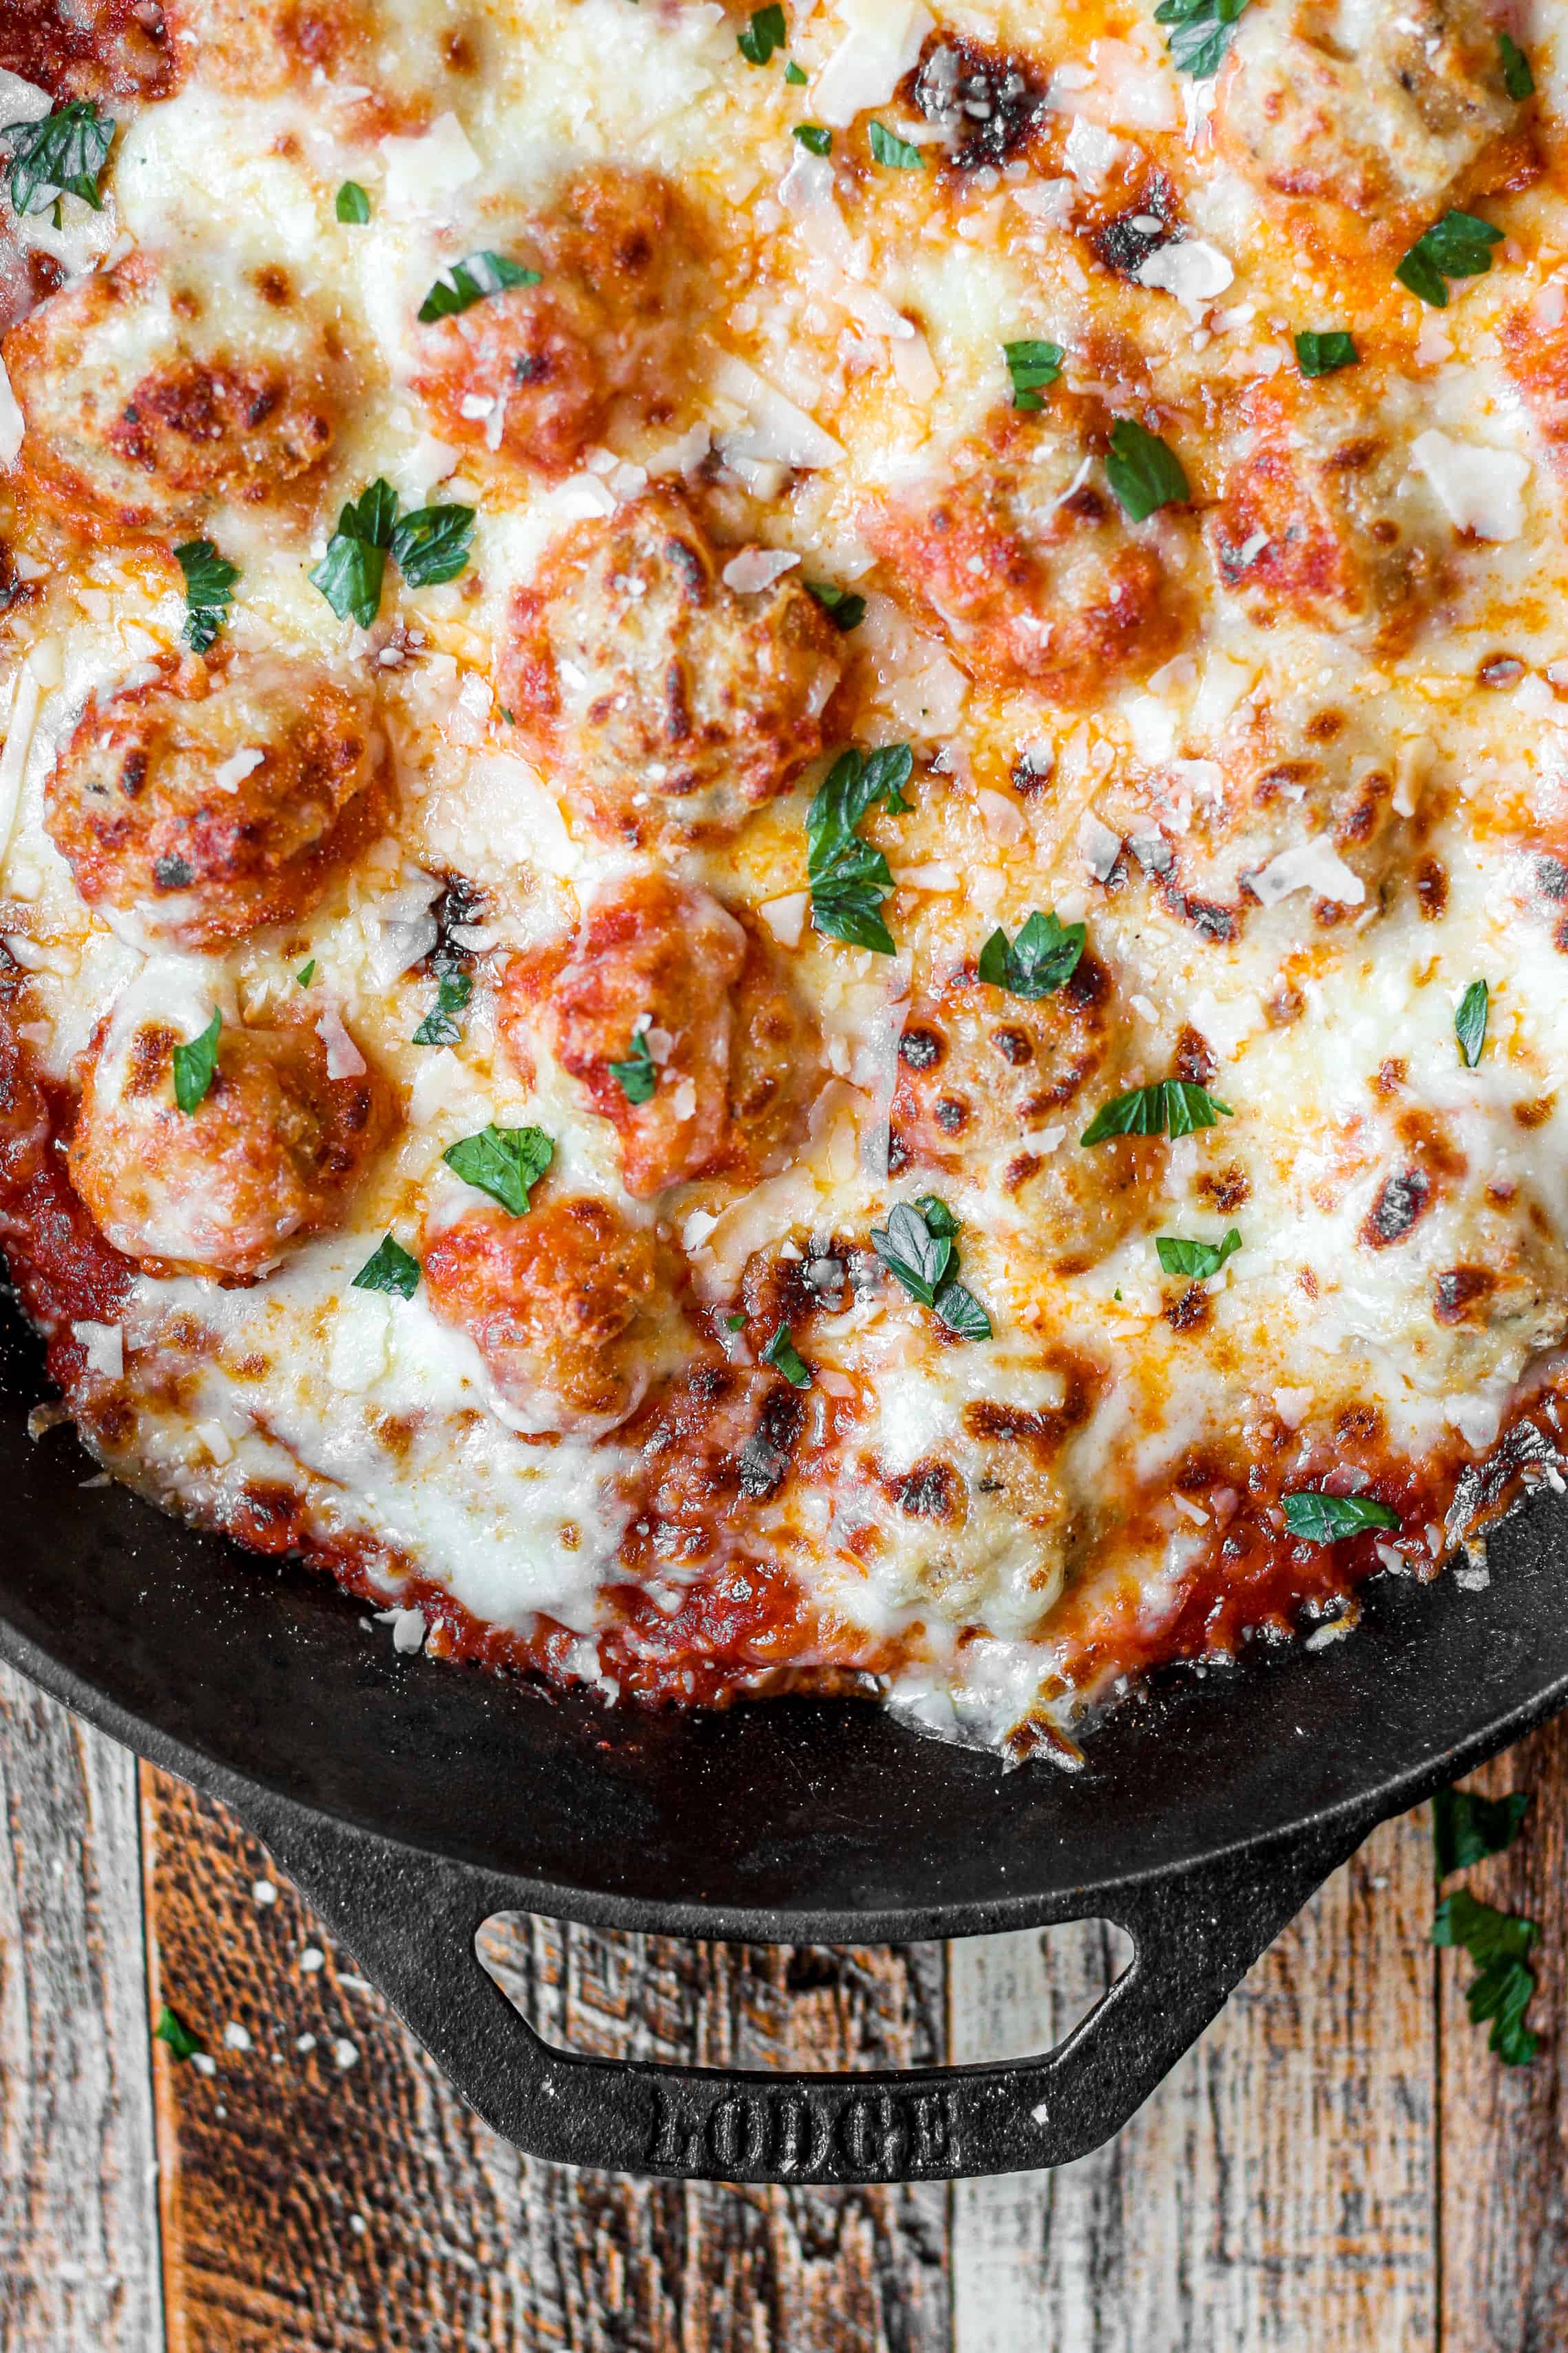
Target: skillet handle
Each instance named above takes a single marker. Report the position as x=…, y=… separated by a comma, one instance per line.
x=411, y=1920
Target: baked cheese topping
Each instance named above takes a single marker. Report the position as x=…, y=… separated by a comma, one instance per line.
x=785, y=813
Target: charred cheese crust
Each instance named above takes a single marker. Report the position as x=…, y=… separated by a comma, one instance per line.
x=528, y=851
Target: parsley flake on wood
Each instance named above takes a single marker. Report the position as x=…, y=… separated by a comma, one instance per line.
x=848, y=879
x=842, y=606
x=813, y=137
x=1202, y=32
x=917, y=1246
x=637, y=1076
x=504, y=1162
x=1471, y=1022
x=440, y=1026
x=209, y=592
x=766, y=32
x=1497, y=1942
x=782, y=1355
x=469, y=281
x=1458, y=246
x=1034, y=365
x=171, y=2029
x=195, y=1065
x=350, y=574
x=61, y=153
x=1170, y=1107
x=1467, y=1827
x=354, y=204
x=389, y=1268
x=1198, y=1260
x=1324, y=1519
x=895, y=153
x=1319, y=352
x=1041, y=959
x=433, y=543
x=1516, y=78
x=1144, y=473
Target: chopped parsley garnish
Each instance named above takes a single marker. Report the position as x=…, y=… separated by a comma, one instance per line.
x=195, y=1065
x=1322, y=1519
x=813, y=137
x=433, y=543
x=842, y=606
x=1458, y=246
x=793, y=76
x=209, y=591
x=305, y=973
x=917, y=1246
x=469, y=281
x=1198, y=1260
x=895, y=153
x=1203, y=31
x=504, y=1162
x=1041, y=959
x=736, y=1323
x=1516, y=78
x=440, y=1026
x=389, y=1268
x=766, y=32
x=1144, y=472
x=354, y=204
x=1170, y=1107
x=637, y=1076
x=429, y=545
x=781, y=1353
x=171, y=2029
x=848, y=879
x=1471, y=1022
x=1319, y=351
x=61, y=153
x=1467, y=1827
x=1034, y=365
x=1497, y=1942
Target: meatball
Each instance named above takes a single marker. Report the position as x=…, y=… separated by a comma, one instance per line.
x=206, y=804
x=268, y=1157
x=554, y=1302
x=256, y=47
x=140, y=409
x=101, y=49
x=610, y=321
x=1033, y=589
x=659, y=701
x=1376, y=108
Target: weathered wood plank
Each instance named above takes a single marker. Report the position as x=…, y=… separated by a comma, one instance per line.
x=79, y=2243
x=310, y=2206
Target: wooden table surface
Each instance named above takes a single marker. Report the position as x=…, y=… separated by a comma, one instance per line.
x=1340, y=2163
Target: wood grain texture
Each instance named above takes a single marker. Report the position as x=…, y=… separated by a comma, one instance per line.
x=79, y=2243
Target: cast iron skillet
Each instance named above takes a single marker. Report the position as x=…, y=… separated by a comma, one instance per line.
x=411, y=1800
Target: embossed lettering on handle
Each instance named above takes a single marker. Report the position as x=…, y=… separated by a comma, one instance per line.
x=835, y=2132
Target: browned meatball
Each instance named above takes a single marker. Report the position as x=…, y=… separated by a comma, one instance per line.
x=140, y=409
x=554, y=1302
x=209, y=805
x=267, y=1158
x=657, y=701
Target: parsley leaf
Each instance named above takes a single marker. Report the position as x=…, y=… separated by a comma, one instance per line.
x=637, y=1076
x=1471, y=1022
x=766, y=32
x=1497, y=1942
x=735, y=1323
x=389, y=1268
x=1319, y=353
x=1033, y=365
x=1516, y=78
x=433, y=543
x=305, y=973
x=1204, y=32
x=354, y=204
x=895, y=153
x=1467, y=1827
x=793, y=76
x=469, y=281
x=1199, y=1260
x=782, y=1353
x=504, y=1162
x=1143, y=473
x=848, y=879
x=1322, y=1519
x=440, y=1027
x=195, y=1065
x=61, y=153
x=917, y=1246
x=1041, y=959
x=813, y=138
x=842, y=606
x=209, y=591
x=350, y=574
x=171, y=2029
x=1458, y=246
x=1170, y=1107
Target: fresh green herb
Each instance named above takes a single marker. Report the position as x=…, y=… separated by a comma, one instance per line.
x=842, y=606
x=1041, y=959
x=1458, y=246
x=305, y=973
x=195, y=1065
x=1467, y=1827
x=766, y=32
x=354, y=204
x=350, y=574
x=1471, y=1022
x=61, y=153
x=848, y=879
x=1204, y=32
x=1144, y=472
x=1170, y=1107
x=895, y=153
x=432, y=544
x=1319, y=353
x=209, y=591
x=440, y=1026
x=504, y=1162
x=1497, y=1942
x=637, y=1076
x=1033, y=365
x=391, y=1269
x=1199, y=1260
x=781, y=1353
x=1322, y=1519
x=793, y=76
x=917, y=1246
x=736, y=1323
x=814, y=138
x=469, y=281
x=171, y=2029
x=1516, y=78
